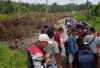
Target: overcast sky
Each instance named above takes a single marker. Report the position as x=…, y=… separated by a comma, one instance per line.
x=60, y=2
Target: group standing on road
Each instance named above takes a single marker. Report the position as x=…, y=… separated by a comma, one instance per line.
x=81, y=47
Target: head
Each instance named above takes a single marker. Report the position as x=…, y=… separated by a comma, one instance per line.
x=74, y=31
x=92, y=30
x=50, y=32
x=80, y=27
x=43, y=40
x=85, y=25
x=98, y=34
x=46, y=28
x=80, y=42
x=60, y=30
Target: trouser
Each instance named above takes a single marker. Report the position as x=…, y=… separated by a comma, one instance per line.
x=71, y=57
x=52, y=66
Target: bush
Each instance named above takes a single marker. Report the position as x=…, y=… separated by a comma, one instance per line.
x=25, y=26
x=93, y=21
x=12, y=58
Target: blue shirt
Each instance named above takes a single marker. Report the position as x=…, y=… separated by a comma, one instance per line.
x=71, y=21
x=72, y=47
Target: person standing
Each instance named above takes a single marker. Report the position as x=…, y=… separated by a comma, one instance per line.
x=57, y=37
x=44, y=31
x=71, y=21
x=85, y=53
x=95, y=44
x=52, y=48
x=72, y=47
x=36, y=55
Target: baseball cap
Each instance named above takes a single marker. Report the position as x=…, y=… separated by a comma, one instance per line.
x=92, y=29
x=43, y=37
x=74, y=30
x=80, y=26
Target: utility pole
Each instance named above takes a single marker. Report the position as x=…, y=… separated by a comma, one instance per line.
x=14, y=0
x=46, y=6
x=76, y=2
x=19, y=1
x=72, y=4
x=88, y=8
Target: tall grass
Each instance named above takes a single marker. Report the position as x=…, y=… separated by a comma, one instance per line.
x=12, y=58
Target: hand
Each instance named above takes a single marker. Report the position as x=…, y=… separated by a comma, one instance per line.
x=59, y=66
x=60, y=49
x=47, y=55
x=48, y=60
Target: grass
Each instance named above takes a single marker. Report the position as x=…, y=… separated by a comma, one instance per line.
x=12, y=58
x=93, y=21
x=5, y=16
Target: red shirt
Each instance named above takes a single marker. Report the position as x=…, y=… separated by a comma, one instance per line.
x=57, y=39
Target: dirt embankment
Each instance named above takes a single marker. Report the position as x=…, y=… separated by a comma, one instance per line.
x=25, y=28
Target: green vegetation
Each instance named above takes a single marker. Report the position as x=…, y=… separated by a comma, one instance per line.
x=7, y=7
x=12, y=58
x=10, y=10
x=69, y=7
x=94, y=19
x=22, y=20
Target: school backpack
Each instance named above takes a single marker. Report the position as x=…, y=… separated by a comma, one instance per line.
x=86, y=59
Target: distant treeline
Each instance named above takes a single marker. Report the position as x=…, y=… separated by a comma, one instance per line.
x=7, y=6
x=96, y=11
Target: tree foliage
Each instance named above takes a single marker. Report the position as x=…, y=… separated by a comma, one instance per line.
x=7, y=6
x=96, y=10
x=70, y=7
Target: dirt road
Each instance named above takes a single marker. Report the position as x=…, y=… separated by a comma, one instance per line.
x=64, y=37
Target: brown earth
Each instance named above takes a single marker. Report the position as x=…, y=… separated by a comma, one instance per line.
x=25, y=26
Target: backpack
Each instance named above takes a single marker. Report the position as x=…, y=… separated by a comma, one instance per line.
x=30, y=61
x=86, y=59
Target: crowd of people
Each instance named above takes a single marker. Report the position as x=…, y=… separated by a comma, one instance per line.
x=81, y=47
x=83, y=44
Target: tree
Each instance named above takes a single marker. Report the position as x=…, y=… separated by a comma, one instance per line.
x=7, y=7
x=54, y=7
x=96, y=10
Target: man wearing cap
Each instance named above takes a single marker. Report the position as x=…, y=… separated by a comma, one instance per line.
x=36, y=55
x=72, y=47
x=95, y=45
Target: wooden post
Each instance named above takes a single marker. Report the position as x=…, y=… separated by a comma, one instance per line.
x=46, y=6
x=88, y=8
